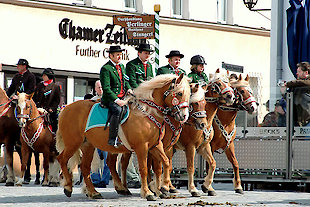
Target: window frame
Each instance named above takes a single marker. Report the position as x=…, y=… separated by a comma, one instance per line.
x=173, y=2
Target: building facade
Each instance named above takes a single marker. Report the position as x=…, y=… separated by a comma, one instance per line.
x=58, y=35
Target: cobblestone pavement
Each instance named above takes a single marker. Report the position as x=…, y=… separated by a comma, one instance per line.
x=33, y=196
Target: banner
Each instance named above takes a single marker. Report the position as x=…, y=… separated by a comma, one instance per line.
x=137, y=27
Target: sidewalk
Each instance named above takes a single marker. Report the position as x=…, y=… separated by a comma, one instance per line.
x=35, y=196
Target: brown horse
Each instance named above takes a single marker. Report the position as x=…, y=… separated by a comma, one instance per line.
x=225, y=131
x=141, y=133
x=35, y=135
x=9, y=133
x=218, y=92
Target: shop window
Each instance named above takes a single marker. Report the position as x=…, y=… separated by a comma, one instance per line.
x=130, y=5
x=83, y=87
x=177, y=7
x=222, y=11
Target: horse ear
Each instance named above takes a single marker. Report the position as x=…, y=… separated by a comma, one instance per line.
x=194, y=87
x=30, y=96
x=247, y=78
x=240, y=77
x=17, y=93
x=217, y=70
x=180, y=78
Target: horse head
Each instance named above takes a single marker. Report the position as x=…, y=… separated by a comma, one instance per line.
x=176, y=98
x=197, y=113
x=24, y=108
x=244, y=94
x=219, y=90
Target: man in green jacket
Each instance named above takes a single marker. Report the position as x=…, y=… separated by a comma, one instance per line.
x=114, y=87
x=140, y=69
x=174, y=60
x=197, y=68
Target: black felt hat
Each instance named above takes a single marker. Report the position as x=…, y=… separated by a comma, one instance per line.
x=116, y=48
x=175, y=53
x=144, y=47
x=23, y=62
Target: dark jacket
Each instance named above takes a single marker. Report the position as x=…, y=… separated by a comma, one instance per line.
x=22, y=83
x=136, y=73
x=47, y=97
x=111, y=82
x=298, y=83
x=168, y=69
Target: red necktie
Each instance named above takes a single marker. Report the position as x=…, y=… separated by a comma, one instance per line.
x=145, y=68
x=119, y=70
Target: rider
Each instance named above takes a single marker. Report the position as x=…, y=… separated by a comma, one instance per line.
x=47, y=96
x=140, y=69
x=197, y=68
x=114, y=86
x=23, y=81
x=174, y=60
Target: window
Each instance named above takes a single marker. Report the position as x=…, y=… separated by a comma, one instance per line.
x=222, y=11
x=130, y=4
x=177, y=7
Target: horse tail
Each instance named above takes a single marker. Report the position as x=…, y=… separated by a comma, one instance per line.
x=75, y=159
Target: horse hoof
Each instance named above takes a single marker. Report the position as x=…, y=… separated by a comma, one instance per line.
x=211, y=193
x=240, y=191
x=97, y=196
x=150, y=198
x=53, y=184
x=163, y=190
x=67, y=193
x=9, y=184
x=204, y=189
x=163, y=196
x=173, y=190
x=123, y=192
x=45, y=184
x=195, y=194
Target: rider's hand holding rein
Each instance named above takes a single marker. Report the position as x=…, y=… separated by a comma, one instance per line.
x=120, y=102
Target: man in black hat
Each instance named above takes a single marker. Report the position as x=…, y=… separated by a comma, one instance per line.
x=140, y=69
x=47, y=96
x=115, y=84
x=23, y=81
x=174, y=60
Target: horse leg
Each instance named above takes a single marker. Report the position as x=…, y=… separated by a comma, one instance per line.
x=46, y=157
x=230, y=154
x=9, y=148
x=207, y=154
x=119, y=187
x=159, y=154
x=54, y=171
x=169, y=154
x=190, y=156
x=88, y=152
x=25, y=150
x=37, y=162
x=156, y=166
x=141, y=153
x=63, y=158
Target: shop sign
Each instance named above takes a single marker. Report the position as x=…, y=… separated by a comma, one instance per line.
x=137, y=27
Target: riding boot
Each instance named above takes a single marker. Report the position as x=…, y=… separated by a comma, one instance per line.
x=113, y=130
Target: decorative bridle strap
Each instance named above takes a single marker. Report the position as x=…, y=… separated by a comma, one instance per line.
x=150, y=117
x=249, y=100
x=176, y=131
x=199, y=114
x=6, y=103
x=5, y=111
x=206, y=133
x=228, y=108
x=155, y=106
x=228, y=136
x=36, y=135
x=211, y=99
x=31, y=120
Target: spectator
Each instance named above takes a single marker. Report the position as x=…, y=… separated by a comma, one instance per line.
x=277, y=118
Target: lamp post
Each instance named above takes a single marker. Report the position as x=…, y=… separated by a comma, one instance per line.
x=250, y=4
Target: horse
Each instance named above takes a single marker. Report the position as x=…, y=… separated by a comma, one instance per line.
x=141, y=133
x=225, y=131
x=9, y=133
x=35, y=135
x=218, y=91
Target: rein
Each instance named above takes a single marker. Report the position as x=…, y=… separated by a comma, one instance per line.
x=7, y=108
x=176, y=131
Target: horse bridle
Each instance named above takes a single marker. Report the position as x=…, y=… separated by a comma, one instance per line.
x=27, y=116
x=216, y=88
x=242, y=103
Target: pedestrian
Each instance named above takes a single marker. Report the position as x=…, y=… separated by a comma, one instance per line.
x=197, y=67
x=47, y=96
x=174, y=60
x=115, y=84
x=140, y=69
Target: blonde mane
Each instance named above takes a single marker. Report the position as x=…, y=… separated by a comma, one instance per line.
x=145, y=91
x=220, y=76
x=199, y=95
x=239, y=83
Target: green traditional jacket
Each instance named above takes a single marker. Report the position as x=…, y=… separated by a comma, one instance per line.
x=111, y=82
x=168, y=69
x=136, y=73
x=202, y=80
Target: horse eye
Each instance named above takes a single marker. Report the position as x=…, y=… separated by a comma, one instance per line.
x=196, y=104
x=242, y=92
x=179, y=93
